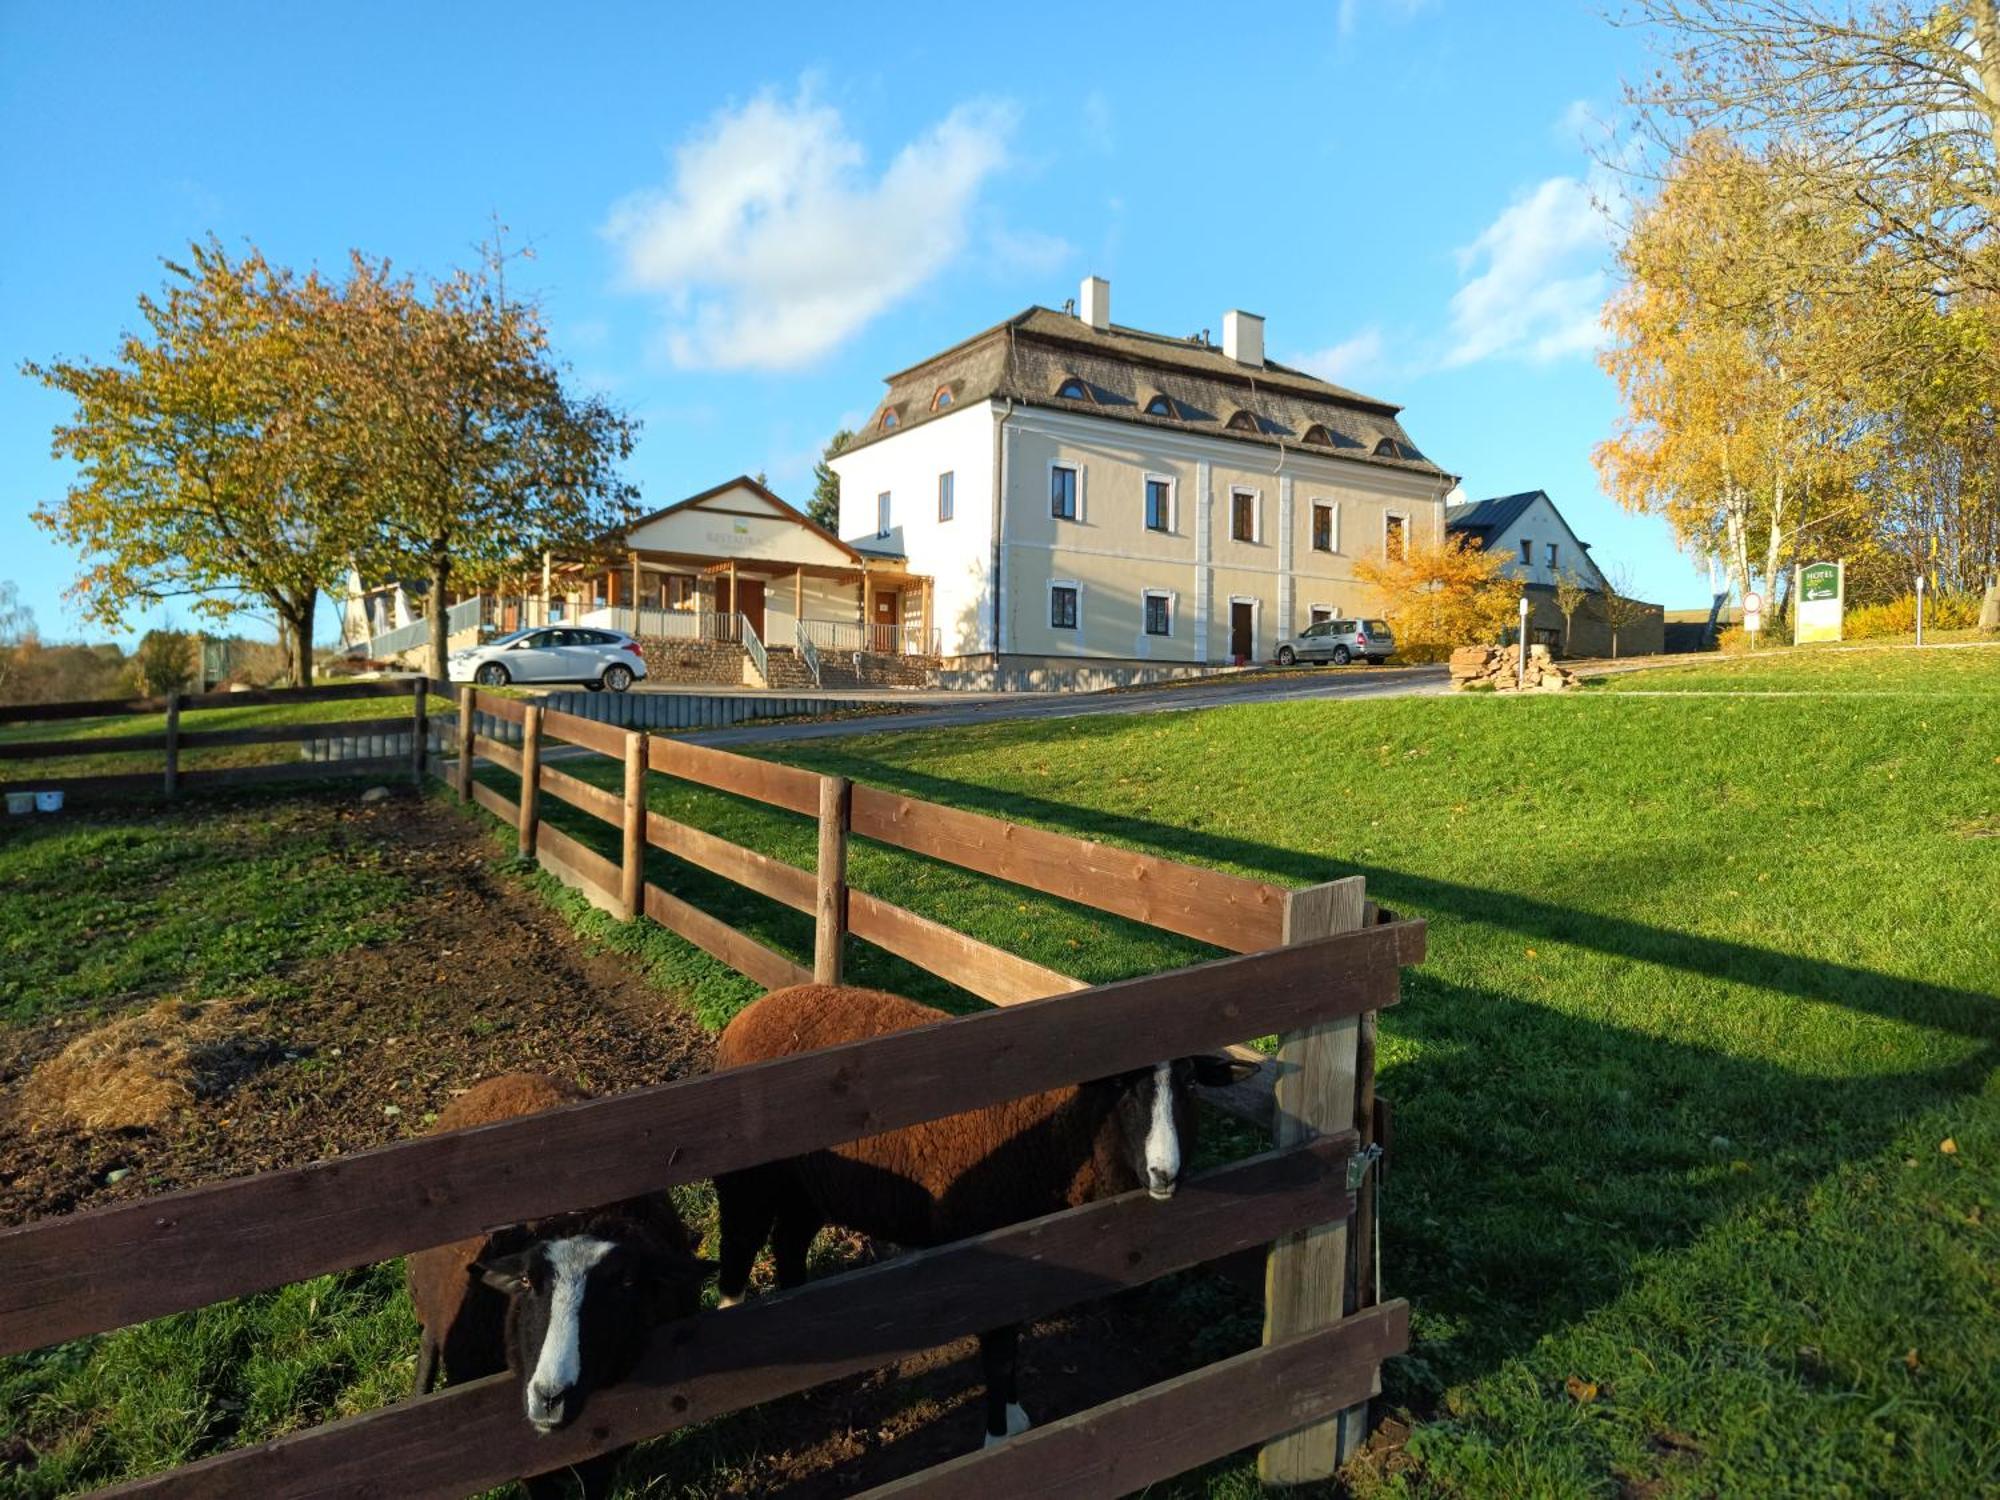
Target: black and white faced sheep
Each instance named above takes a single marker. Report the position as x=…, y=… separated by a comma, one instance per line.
x=947, y=1179
x=567, y=1303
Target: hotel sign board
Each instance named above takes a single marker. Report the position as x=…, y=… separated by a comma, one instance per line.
x=1821, y=591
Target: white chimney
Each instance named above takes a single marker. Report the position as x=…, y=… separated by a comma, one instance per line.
x=1243, y=338
x=1096, y=302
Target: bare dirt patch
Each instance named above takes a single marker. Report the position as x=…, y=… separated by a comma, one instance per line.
x=354, y=1050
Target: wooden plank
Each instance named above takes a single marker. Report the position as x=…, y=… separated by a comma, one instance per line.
x=468, y=699
x=1226, y=910
x=830, y=895
x=605, y=739
x=988, y=972
x=718, y=939
x=594, y=800
x=103, y=708
x=86, y=788
x=761, y=780
x=1166, y=1429
x=497, y=751
x=1305, y=1277
x=579, y=867
x=515, y=710
x=469, y=1438
x=420, y=730
x=747, y=867
x=173, y=739
x=278, y=734
x=632, y=866
x=102, y=1268
x=508, y=811
x=108, y=744
x=531, y=781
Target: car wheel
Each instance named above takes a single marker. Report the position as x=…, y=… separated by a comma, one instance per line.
x=1342, y=656
x=618, y=679
x=595, y=685
x=1286, y=656
x=493, y=674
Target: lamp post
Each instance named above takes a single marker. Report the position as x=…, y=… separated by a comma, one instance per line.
x=1521, y=666
x=1920, y=609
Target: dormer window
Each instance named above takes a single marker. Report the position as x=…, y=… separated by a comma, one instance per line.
x=1391, y=447
x=889, y=421
x=1162, y=405
x=1243, y=421
x=1319, y=435
x=942, y=399
x=1073, y=389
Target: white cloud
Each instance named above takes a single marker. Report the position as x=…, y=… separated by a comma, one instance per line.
x=1540, y=279
x=773, y=242
x=1346, y=362
x=1350, y=12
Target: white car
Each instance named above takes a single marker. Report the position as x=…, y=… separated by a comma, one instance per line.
x=553, y=653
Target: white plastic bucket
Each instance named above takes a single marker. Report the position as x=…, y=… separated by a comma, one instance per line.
x=48, y=802
x=20, y=802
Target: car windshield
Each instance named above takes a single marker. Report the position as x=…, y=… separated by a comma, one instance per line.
x=509, y=638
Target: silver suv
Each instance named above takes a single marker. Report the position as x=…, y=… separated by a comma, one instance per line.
x=1339, y=641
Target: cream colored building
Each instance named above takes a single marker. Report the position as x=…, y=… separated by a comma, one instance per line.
x=1076, y=489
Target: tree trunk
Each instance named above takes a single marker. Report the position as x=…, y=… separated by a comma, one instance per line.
x=295, y=634
x=440, y=630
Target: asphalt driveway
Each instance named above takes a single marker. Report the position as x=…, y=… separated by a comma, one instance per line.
x=1190, y=697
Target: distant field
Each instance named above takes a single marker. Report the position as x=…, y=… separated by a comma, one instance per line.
x=1823, y=669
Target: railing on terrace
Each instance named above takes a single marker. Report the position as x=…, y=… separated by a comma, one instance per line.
x=845, y=637
x=755, y=647
x=1313, y=966
x=808, y=652
x=650, y=622
x=462, y=616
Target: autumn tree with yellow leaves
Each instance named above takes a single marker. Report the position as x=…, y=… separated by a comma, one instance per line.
x=1442, y=595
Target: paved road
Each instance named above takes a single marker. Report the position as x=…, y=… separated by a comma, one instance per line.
x=1230, y=692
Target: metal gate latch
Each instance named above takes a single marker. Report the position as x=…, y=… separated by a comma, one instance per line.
x=1359, y=1164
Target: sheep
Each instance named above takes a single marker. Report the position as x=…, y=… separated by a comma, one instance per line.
x=947, y=1179
x=565, y=1302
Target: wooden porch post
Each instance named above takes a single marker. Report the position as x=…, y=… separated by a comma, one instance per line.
x=635, y=591
x=548, y=584
x=924, y=644
x=735, y=601
x=799, y=600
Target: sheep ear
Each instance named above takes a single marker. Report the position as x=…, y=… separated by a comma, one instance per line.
x=1214, y=1071
x=505, y=1273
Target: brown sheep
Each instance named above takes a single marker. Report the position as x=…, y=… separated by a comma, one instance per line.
x=947, y=1179
x=565, y=1302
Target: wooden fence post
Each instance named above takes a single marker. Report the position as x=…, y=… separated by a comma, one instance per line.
x=632, y=889
x=1305, y=1273
x=830, y=923
x=420, y=720
x=531, y=778
x=173, y=744
x=468, y=708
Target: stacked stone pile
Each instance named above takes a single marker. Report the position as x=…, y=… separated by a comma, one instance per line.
x=1498, y=666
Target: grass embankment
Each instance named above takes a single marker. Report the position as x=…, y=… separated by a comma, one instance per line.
x=1699, y=1127
x=124, y=762
x=1698, y=1176
x=1887, y=670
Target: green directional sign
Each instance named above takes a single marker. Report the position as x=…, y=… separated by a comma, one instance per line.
x=1821, y=596
x=1820, y=581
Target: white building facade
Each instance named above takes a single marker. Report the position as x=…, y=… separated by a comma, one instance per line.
x=1079, y=490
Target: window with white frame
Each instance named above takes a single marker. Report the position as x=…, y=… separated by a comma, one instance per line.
x=1394, y=529
x=1326, y=527
x=1319, y=614
x=1243, y=517
x=882, y=514
x=1062, y=491
x=1159, y=612
x=1063, y=599
x=945, y=485
x=1159, y=503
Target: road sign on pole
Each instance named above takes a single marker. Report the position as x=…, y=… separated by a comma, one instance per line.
x=1753, y=616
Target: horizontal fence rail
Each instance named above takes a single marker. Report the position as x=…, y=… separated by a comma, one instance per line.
x=471, y=1437
x=103, y=1268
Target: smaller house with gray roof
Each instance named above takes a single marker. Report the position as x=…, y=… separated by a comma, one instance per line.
x=1539, y=547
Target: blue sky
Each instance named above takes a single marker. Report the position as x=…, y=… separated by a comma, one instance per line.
x=742, y=219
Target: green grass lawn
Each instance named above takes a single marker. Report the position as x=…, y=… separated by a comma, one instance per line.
x=1711, y=986
x=1712, y=983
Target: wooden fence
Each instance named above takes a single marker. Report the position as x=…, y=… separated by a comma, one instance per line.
x=1313, y=966
x=173, y=741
